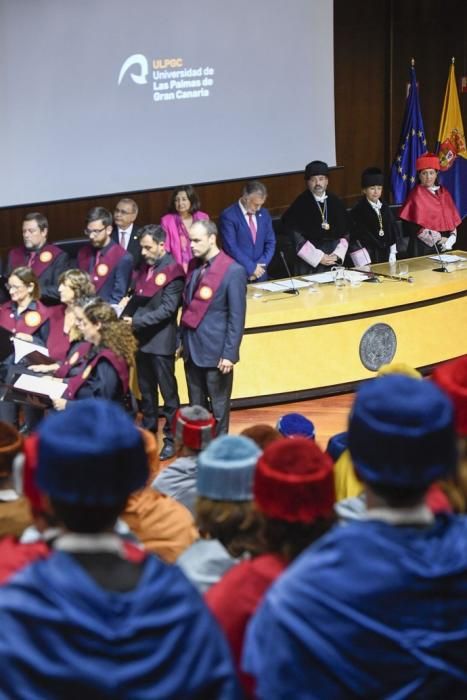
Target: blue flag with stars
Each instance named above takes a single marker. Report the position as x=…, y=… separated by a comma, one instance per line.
x=411, y=145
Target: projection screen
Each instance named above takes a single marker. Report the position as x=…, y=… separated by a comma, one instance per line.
x=106, y=96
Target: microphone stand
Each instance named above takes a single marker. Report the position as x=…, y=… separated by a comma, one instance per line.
x=294, y=289
x=443, y=267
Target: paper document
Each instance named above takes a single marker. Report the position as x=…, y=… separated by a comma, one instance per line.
x=41, y=385
x=326, y=277
x=446, y=258
x=25, y=347
x=278, y=285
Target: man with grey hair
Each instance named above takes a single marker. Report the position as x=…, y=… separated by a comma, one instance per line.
x=125, y=232
x=247, y=232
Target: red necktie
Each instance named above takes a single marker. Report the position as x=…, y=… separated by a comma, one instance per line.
x=122, y=238
x=150, y=272
x=251, y=224
x=32, y=257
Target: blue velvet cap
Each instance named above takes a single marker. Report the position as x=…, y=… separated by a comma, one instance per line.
x=91, y=454
x=401, y=432
x=226, y=468
x=337, y=444
x=294, y=425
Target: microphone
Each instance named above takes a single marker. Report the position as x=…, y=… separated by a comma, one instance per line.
x=443, y=267
x=294, y=289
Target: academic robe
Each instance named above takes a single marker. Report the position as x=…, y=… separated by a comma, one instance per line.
x=64, y=636
x=370, y=611
x=365, y=230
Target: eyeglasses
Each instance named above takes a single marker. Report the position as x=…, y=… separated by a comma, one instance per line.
x=89, y=232
x=31, y=230
x=15, y=287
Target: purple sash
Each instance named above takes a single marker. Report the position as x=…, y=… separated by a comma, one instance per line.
x=58, y=342
x=29, y=322
x=106, y=264
x=77, y=357
x=119, y=364
x=195, y=310
x=158, y=279
x=44, y=257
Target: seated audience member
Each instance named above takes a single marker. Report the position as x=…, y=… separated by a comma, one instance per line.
x=262, y=434
x=377, y=608
x=317, y=223
x=295, y=425
x=247, y=232
x=194, y=428
x=429, y=210
x=145, y=631
x=108, y=264
x=46, y=260
x=373, y=227
x=225, y=515
x=26, y=318
x=161, y=524
x=15, y=515
x=125, y=232
x=451, y=377
x=184, y=210
x=294, y=492
x=348, y=486
x=73, y=285
x=100, y=365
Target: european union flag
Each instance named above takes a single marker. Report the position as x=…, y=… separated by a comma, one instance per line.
x=411, y=145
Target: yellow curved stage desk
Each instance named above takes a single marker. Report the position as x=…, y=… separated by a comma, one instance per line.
x=324, y=342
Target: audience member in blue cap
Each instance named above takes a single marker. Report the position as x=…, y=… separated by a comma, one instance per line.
x=99, y=617
x=227, y=520
x=296, y=425
x=378, y=607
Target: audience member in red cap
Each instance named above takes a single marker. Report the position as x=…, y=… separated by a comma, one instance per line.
x=429, y=210
x=294, y=491
x=451, y=377
x=194, y=428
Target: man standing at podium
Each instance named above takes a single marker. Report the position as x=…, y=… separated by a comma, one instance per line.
x=317, y=223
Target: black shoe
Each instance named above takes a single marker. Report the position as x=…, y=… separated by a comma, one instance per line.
x=167, y=451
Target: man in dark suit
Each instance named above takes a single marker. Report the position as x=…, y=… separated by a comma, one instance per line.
x=108, y=264
x=152, y=313
x=213, y=320
x=125, y=231
x=46, y=260
x=247, y=232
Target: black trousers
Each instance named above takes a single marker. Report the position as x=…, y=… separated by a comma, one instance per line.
x=208, y=387
x=157, y=372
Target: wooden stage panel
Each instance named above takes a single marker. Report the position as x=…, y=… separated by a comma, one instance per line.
x=297, y=347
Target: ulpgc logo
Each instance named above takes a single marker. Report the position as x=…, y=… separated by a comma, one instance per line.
x=138, y=59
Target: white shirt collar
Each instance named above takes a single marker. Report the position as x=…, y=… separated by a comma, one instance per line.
x=321, y=199
x=415, y=515
x=99, y=542
x=7, y=495
x=376, y=205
